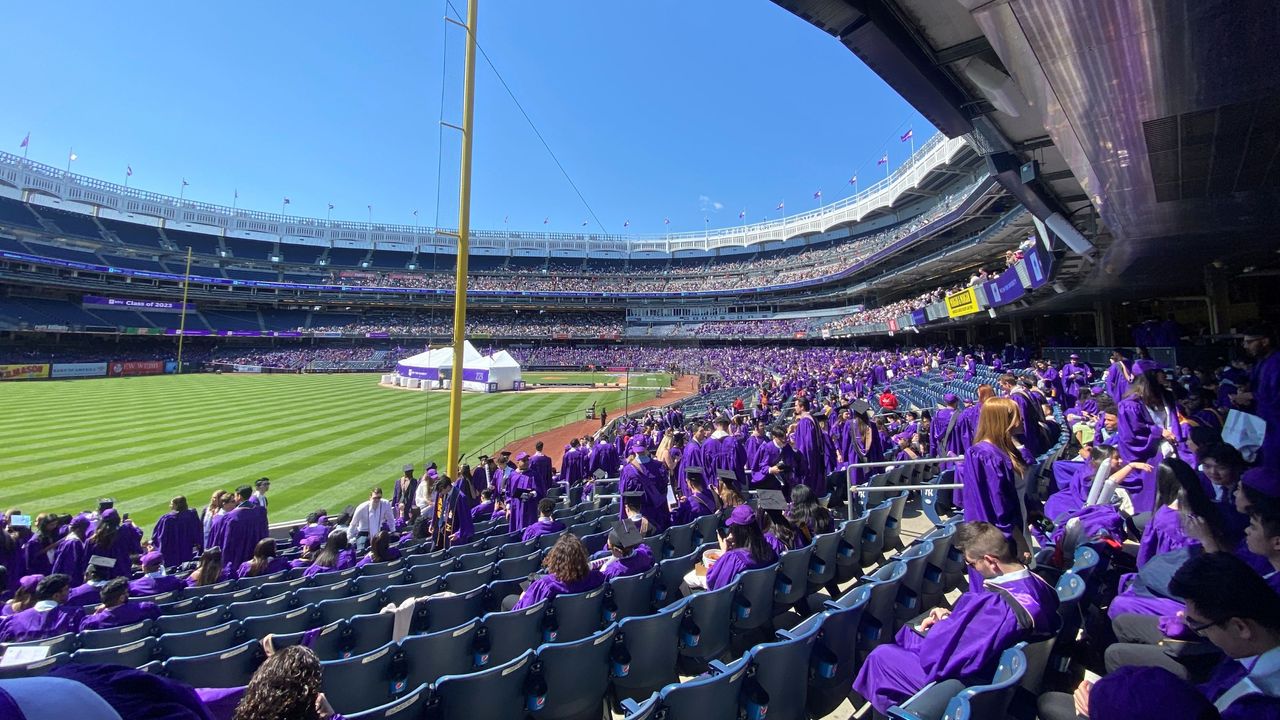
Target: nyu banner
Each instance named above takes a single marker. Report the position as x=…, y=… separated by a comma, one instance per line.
x=1006, y=288
x=113, y=303
x=74, y=370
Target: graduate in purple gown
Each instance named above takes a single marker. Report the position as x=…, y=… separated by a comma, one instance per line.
x=568, y=572
x=264, y=561
x=604, y=456
x=1264, y=390
x=454, y=515
x=40, y=549
x=380, y=549
x=337, y=554
x=627, y=553
x=1076, y=374
x=238, y=532
x=210, y=569
x=809, y=447
x=990, y=473
x=644, y=478
x=484, y=509
x=1028, y=432
x=700, y=501
x=1146, y=433
x=178, y=534
x=1118, y=376
x=546, y=525
x=118, y=610
x=522, y=496
x=964, y=643
x=1131, y=693
x=943, y=430
x=154, y=580
x=109, y=543
x=725, y=451
x=572, y=469
x=1177, y=486
x=541, y=470
x=50, y=616
x=775, y=463
x=24, y=596
x=744, y=548
x=71, y=556
x=807, y=516
x=89, y=593
x=867, y=442
x=485, y=476
x=691, y=457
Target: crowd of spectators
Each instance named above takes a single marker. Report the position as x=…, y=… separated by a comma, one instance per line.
x=527, y=324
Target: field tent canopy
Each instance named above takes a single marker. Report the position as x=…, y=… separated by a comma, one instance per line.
x=480, y=373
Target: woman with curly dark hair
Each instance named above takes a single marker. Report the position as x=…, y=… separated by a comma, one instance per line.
x=286, y=687
x=568, y=572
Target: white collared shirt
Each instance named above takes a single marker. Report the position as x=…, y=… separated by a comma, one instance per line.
x=1263, y=678
x=372, y=519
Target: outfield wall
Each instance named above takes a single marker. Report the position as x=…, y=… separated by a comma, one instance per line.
x=65, y=371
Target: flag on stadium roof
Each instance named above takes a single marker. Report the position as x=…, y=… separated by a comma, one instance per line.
x=415, y=213
x=742, y=214
x=584, y=223
x=666, y=221
x=286, y=201
x=906, y=136
x=330, y=206
x=128, y=170
x=185, y=183
x=73, y=155
x=506, y=219
x=25, y=140
x=626, y=223
x=546, y=220
x=781, y=205
x=853, y=180
x=817, y=195
x=884, y=159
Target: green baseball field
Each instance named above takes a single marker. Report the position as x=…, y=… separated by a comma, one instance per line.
x=324, y=440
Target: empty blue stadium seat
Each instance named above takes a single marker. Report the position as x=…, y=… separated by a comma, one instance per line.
x=496, y=693
x=228, y=668
x=576, y=615
x=652, y=642
x=576, y=675
x=782, y=673
x=434, y=655
x=361, y=682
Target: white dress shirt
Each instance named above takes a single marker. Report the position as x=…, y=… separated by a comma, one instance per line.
x=371, y=519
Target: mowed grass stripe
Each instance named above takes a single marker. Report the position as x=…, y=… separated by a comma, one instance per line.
x=80, y=420
x=231, y=414
x=373, y=430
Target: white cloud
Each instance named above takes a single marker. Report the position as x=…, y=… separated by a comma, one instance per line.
x=706, y=204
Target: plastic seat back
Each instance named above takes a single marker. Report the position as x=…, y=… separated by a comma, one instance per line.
x=873, y=532
x=367, y=633
x=991, y=701
x=408, y=707
x=320, y=593
x=397, y=594
x=711, y=697
x=753, y=606
x=371, y=582
x=360, y=682
x=631, y=595
x=466, y=580
x=496, y=693
x=822, y=565
x=834, y=658
x=704, y=528
x=476, y=560
x=434, y=655
x=544, y=542
x=328, y=642
x=114, y=637
x=781, y=676
x=893, y=523
x=671, y=573
x=935, y=583
x=878, y=618
x=289, y=621
x=433, y=570
x=337, y=609
x=35, y=668
x=134, y=654
x=911, y=587
x=515, y=568
x=680, y=540
x=793, y=577
x=652, y=642
x=708, y=621
x=849, y=552
x=576, y=615
x=226, y=598
x=189, y=622
x=507, y=635
x=274, y=588
x=453, y=610
x=200, y=642
x=576, y=675
x=264, y=606
x=595, y=543
x=229, y=668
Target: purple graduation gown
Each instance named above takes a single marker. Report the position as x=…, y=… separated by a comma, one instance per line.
x=1265, y=384
x=1115, y=382
x=965, y=646
x=1162, y=534
x=990, y=493
x=813, y=467
x=640, y=560
x=521, y=513
x=274, y=565
x=768, y=455
x=237, y=532
x=129, y=613
x=482, y=512
x=1074, y=376
x=649, y=478
x=457, y=511
x=1031, y=437
x=693, y=507
x=85, y=595
x=731, y=564
x=549, y=586
x=180, y=537
x=692, y=457
x=147, y=585
x=542, y=527
x=71, y=559
x=603, y=457
x=119, y=551
x=726, y=453
x=1072, y=493
x=541, y=470
x=33, y=624
x=1139, y=441
x=346, y=559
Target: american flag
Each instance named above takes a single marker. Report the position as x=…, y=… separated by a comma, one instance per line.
x=817, y=195
x=626, y=223
x=742, y=214
x=884, y=159
x=906, y=136
x=781, y=205
x=25, y=140
x=853, y=180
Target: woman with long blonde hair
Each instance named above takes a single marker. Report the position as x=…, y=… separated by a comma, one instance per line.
x=991, y=473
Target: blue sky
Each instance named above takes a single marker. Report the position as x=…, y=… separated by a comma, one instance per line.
x=656, y=109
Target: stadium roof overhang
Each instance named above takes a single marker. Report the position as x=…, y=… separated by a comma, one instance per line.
x=1155, y=127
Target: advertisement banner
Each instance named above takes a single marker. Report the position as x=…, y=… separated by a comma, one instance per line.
x=247, y=368
x=1037, y=267
x=962, y=303
x=1005, y=289
x=74, y=370
x=918, y=317
x=475, y=375
x=100, y=302
x=30, y=371
x=287, y=333
x=377, y=334
x=893, y=325
x=240, y=333
x=122, y=368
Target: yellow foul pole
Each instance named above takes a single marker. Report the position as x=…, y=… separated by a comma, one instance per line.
x=182, y=321
x=464, y=231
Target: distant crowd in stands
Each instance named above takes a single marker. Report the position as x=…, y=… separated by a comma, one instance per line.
x=531, y=323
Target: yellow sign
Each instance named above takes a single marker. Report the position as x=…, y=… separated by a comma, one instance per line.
x=962, y=303
x=31, y=371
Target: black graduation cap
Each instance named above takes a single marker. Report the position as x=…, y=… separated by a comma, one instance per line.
x=820, y=417
x=599, y=474
x=505, y=453
x=633, y=494
x=693, y=471
x=771, y=500
x=625, y=535
x=860, y=406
